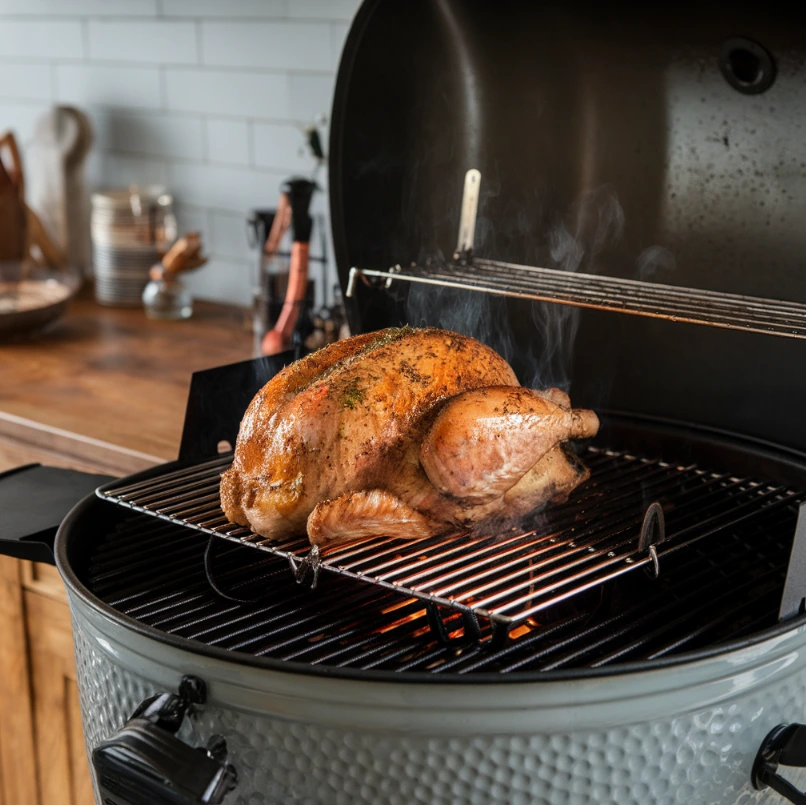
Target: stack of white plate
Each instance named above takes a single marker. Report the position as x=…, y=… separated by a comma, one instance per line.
x=131, y=230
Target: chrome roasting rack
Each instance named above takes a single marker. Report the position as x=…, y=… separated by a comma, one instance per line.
x=498, y=581
x=636, y=297
x=653, y=300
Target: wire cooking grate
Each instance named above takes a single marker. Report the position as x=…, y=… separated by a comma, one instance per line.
x=509, y=577
x=636, y=297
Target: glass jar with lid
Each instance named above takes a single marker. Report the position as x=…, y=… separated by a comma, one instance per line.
x=131, y=230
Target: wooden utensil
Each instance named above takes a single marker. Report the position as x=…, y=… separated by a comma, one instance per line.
x=54, y=181
x=13, y=163
x=184, y=255
x=21, y=232
x=12, y=202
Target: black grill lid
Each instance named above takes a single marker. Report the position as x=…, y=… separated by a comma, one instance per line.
x=687, y=125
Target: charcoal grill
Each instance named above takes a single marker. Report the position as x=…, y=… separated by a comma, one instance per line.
x=503, y=578
x=643, y=643
x=351, y=625
x=194, y=633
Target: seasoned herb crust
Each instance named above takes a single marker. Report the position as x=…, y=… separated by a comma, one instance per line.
x=339, y=417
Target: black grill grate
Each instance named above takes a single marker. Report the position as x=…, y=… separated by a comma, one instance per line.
x=722, y=588
x=508, y=578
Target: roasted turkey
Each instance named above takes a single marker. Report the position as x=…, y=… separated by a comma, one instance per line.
x=401, y=433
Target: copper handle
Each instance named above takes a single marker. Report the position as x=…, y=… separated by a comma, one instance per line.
x=279, y=338
x=279, y=226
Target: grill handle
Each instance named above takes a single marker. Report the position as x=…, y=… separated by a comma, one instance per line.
x=144, y=763
x=33, y=502
x=785, y=746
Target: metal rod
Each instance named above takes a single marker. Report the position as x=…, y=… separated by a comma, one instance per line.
x=623, y=299
x=467, y=220
x=654, y=305
x=642, y=285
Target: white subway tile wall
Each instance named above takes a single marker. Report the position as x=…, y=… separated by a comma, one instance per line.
x=274, y=44
x=43, y=39
x=22, y=79
x=224, y=9
x=94, y=8
x=92, y=86
x=228, y=235
x=273, y=141
x=156, y=134
x=210, y=97
x=246, y=95
x=228, y=141
x=147, y=42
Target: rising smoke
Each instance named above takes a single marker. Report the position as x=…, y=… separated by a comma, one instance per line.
x=478, y=315
x=655, y=264
x=592, y=227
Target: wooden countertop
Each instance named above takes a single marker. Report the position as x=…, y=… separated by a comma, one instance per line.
x=108, y=386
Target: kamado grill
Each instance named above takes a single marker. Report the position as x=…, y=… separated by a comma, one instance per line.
x=643, y=642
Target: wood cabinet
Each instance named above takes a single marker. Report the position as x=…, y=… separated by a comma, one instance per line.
x=61, y=759
x=42, y=754
x=43, y=759
x=17, y=763
x=102, y=391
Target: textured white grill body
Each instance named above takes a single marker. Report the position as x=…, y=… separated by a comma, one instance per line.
x=686, y=734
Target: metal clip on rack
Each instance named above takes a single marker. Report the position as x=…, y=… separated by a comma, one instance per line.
x=638, y=298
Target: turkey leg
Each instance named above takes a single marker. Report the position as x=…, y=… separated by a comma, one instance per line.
x=484, y=441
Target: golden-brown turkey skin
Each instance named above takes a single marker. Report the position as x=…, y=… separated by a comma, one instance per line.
x=351, y=418
x=484, y=441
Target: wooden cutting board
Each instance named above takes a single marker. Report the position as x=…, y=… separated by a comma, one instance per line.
x=12, y=218
x=20, y=227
